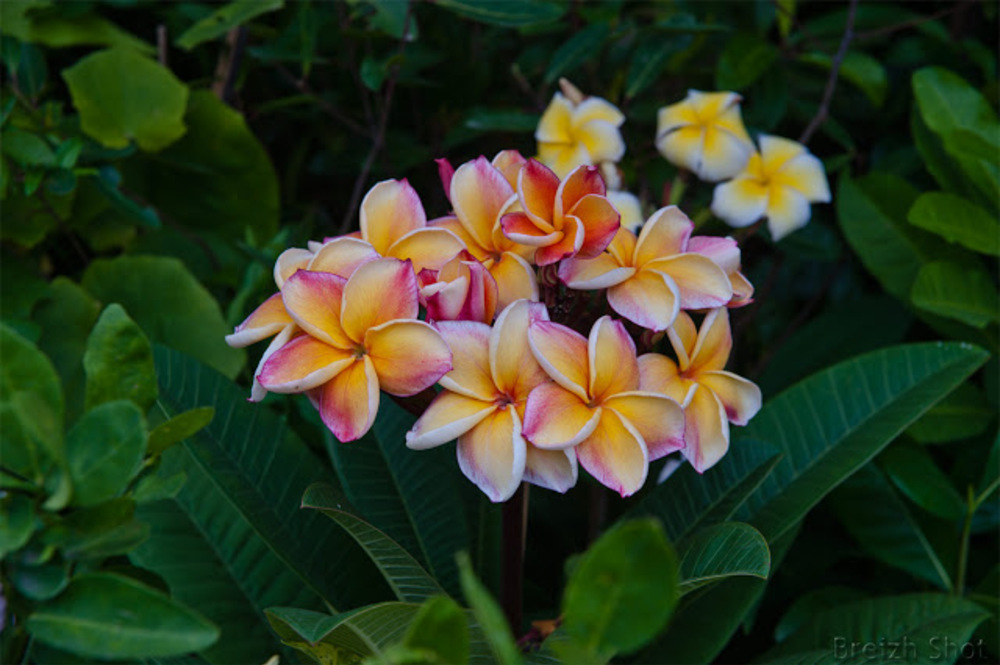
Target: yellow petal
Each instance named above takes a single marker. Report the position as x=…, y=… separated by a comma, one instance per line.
x=428, y=248
x=302, y=364
x=590, y=274
x=568, y=242
x=555, y=470
x=408, y=356
x=628, y=206
x=740, y=202
x=611, y=354
x=615, y=454
x=622, y=246
x=514, y=369
x=378, y=292
x=492, y=454
x=731, y=121
x=562, y=353
x=288, y=262
x=448, y=417
x=509, y=163
x=700, y=282
x=348, y=402
x=710, y=105
x=342, y=256
x=470, y=374
x=556, y=418
x=683, y=335
x=806, y=175
x=555, y=125
x=452, y=224
x=674, y=116
x=515, y=279
x=682, y=146
x=715, y=341
x=740, y=397
x=706, y=433
x=602, y=140
x=536, y=190
x=479, y=193
x=597, y=109
x=268, y=319
x=657, y=418
x=665, y=233
x=660, y=374
x=390, y=210
x=787, y=211
x=313, y=300
x=723, y=155
x=777, y=151
x=649, y=299
x=562, y=158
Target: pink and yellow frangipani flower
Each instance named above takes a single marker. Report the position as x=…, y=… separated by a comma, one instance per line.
x=725, y=252
x=576, y=131
x=463, y=290
x=779, y=182
x=480, y=194
x=704, y=134
x=652, y=277
x=712, y=398
x=482, y=405
x=362, y=335
x=572, y=217
x=595, y=403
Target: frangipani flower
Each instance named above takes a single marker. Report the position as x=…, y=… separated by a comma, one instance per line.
x=712, y=398
x=595, y=404
x=463, y=290
x=562, y=219
x=725, y=253
x=627, y=205
x=480, y=194
x=651, y=278
x=483, y=406
x=575, y=131
x=361, y=336
x=779, y=182
x=705, y=135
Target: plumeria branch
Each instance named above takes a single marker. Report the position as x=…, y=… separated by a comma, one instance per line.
x=831, y=83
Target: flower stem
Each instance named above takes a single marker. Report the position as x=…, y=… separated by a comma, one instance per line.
x=515, y=519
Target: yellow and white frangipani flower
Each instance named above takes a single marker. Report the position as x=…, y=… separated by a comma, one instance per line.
x=482, y=405
x=627, y=205
x=705, y=135
x=361, y=335
x=480, y=194
x=712, y=398
x=578, y=131
x=651, y=278
x=595, y=403
x=779, y=183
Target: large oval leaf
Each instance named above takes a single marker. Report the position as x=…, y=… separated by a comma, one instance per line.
x=964, y=292
x=721, y=551
x=104, y=451
x=956, y=219
x=119, y=361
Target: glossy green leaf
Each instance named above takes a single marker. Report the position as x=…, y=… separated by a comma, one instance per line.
x=834, y=422
x=104, y=450
x=494, y=120
x=745, y=59
x=488, y=614
x=976, y=155
x=155, y=487
x=123, y=96
x=957, y=220
x=864, y=71
x=27, y=148
x=440, y=629
x=582, y=47
x=41, y=582
x=916, y=474
x=506, y=13
x=97, y=532
x=936, y=159
x=811, y=603
x=650, y=58
x=947, y=102
x=964, y=413
x=724, y=550
x=224, y=19
x=964, y=292
x=119, y=361
x=17, y=522
x=366, y=631
x=87, y=619
x=57, y=31
x=170, y=305
x=623, y=590
x=409, y=581
x=178, y=428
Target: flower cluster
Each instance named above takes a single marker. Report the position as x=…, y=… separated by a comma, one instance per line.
x=559, y=335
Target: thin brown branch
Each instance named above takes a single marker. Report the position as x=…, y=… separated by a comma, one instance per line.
x=161, y=45
x=903, y=25
x=831, y=83
x=303, y=86
x=228, y=66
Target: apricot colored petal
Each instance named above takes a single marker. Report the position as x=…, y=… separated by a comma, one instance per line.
x=408, y=356
x=776, y=152
x=562, y=353
x=302, y=364
x=569, y=244
x=740, y=202
x=582, y=181
x=536, y=189
x=313, y=300
x=555, y=470
x=452, y=224
x=740, y=397
x=742, y=290
x=470, y=375
x=258, y=391
x=492, y=454
x=555, y=125
x=787, y=211
x=723, y=251
x=378, y=292
x=521, y=228
x=348, y=402
x=649, y=299
x=706, y=432
x=660, y=374
x=611, y=354
x=597, y=273
x=603, y=141
x=600, y=220
x=427, y=248
x=622, y=246
x=700, y=282
x=509, y=163
x=723, y=155
x=665, y=233
x=683, y=335
x=674, y=116
x=479, y=193
x=715, y=341
x=390, y=210
x=514, y=369
x=615, y=454
x=515, y=279
x=342, y=256
x=658, y=418
x=448, y=417
x=290, y=260
x=556, y=418
x=562, y=158
x=268, y=319
x=682, y=146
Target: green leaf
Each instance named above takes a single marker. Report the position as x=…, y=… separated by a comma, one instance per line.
x=917, y=475
x=40, y=582
x=122, y=95
x=119, y=362
x=440, y=628
x=155, y=487
x=650, y=58
x=919, y=624
x=104, y=450
x=495, y=120
x=964, y=292
x=366, y=631
x=864, y=71
x=170, y=305
x=721, y=551
x=809, y=604
x=488, y=614
x=964, y=413
x=578, y=49
x=27, y=148
x=409, y=581
x=97, y=532
x=977, y=160
x=57, y=31
x=17, y=522
x=942, y=166
x=745, y=59
x=957, y=220
x=225, y=19
x=88, y=620
x=623, y=590
x=178, y=428
x=883, y=526
x=506, y=13
x=947, y=102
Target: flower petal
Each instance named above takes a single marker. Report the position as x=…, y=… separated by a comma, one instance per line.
x=448, y=417
x=302, y=364
x=342, y=256
x=562, y=353
x=602, y=139
x=706, y=433
x=555, y=124
x=597, y=108
x=682, y=146
x=600, y=220
x=731, y=121
x=378, y=292
x=408, y=356
x=479, y=193
x=288, y=262
x=590, y=274
x=776, y=151
x=515, y=279
x=258, y=391
x=470, y=375
x=787, y=211
x=313, y=300
x=514, y=369
x=348, y=402
x=427, y=248
x=612, y=364
x=492, y=454
x=615, y=454
x=805, y=174
x=452, y=224
x=665, y=233
x=556, y=418
x=627, y=205
x=740, y=397
x=536, y=189
x=723, y=155
x=268, y=319
x=568, y=244
x=555, y=470
x=390, y=210
x=700, y=282
x=622, y=246
x=660, y=374
x=724, y=251
x=509, y=163
x=740, y=202
x=562, y=158
x=521, y=228
x=657, y=418
x=674, y=116
x=582, y=181
x=649, y=299
x=715, y=341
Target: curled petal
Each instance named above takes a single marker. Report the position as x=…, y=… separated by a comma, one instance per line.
x=660, y=374
x=348, y=402
x=448, y=417
x=601, y=221
x=514, y=369
x=715, y=341
x=627, y=205
x=675, y=116
x=313, y=300
x=740, y=202
x=776, y=152
x=615, y=454
x=342, y=256
x=611, y=353
x=622, y=247
x=427, y=248
x=599, y=109
x=602, y=140
x=555, y=470
x=683, y=337
x=731, y=121
x=706, y=432
x=562, y=353
x=658, y=418
x=700, y=282
x=258, y=391
x=740, y=397
x=665, y=233
x=390, y=210
x=268, y=319
x=787, y=211
x=515, y=279
x=567, y=245
x=536, y=189
x=649, y=299
x=509, y=163
x=446, y=172
x=288, y=262
x=408, y=356
x=521, y=228
x=302, y=364
x=590, y=274
x=479, y=192
x=582, y=181
x=470, y=375
x=742, y=290
x=556, y=418
x=378, y=292
x=724, y=251
x=492, y=454
x=452, y=224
